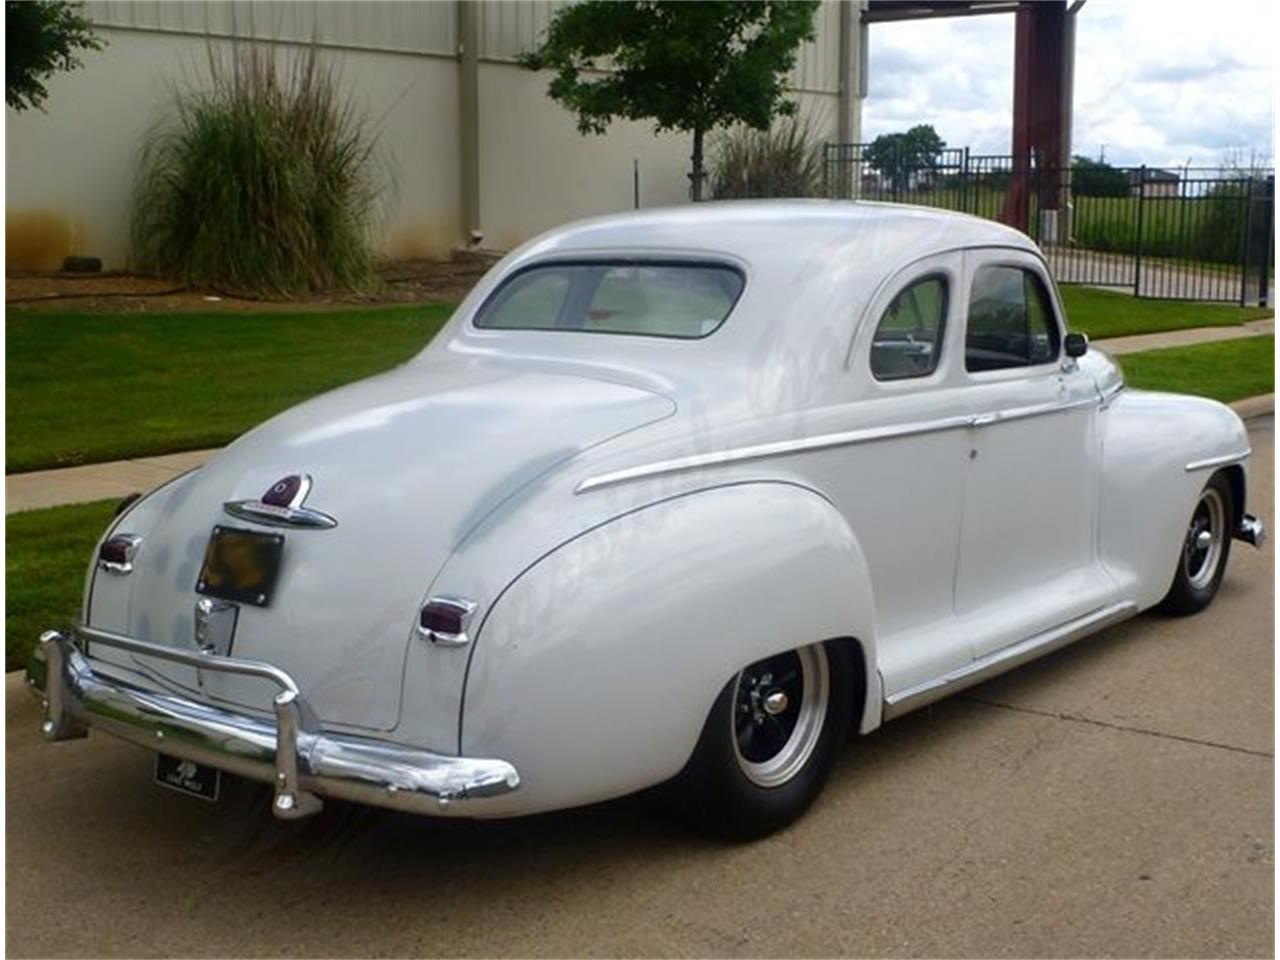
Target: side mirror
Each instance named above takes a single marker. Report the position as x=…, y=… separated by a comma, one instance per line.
x=1076, y=345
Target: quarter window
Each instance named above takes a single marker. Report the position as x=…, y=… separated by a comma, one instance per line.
x=908, y=341
x=1011, y=322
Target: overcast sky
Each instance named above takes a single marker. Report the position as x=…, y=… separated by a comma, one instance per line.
x=1160, y=82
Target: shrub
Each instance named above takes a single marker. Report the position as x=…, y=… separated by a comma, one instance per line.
x=265, y=180
x=785, y=161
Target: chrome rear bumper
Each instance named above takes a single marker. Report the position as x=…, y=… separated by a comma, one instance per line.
x=301, y=761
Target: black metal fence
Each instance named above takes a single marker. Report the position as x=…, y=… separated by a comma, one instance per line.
x=1180, y=234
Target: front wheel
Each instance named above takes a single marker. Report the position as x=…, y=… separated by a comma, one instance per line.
x=1203, y=558
x=769, y=742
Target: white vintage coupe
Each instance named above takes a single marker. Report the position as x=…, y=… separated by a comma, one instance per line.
x=675, y=497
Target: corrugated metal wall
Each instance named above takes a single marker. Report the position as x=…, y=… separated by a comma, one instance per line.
x=507, y=27
x=70, y=172
x=383, y=25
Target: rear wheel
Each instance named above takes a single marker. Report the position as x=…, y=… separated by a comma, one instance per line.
x=1202, y=559
x=769, y=742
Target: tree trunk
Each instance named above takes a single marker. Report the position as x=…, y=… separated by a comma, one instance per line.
x=697, y=174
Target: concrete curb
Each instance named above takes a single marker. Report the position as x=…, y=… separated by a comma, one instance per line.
x=1260, y=406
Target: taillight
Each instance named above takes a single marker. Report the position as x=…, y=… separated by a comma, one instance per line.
x=445, y=620
x=117, y=552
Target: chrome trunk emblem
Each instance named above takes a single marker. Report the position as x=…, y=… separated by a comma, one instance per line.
x=281, y=505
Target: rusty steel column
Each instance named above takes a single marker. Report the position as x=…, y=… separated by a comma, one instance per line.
x=1039, y=84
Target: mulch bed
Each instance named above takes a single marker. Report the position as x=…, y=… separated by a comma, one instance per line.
x=406, y=281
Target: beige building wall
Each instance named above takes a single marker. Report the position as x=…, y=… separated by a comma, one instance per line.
x=70, y=171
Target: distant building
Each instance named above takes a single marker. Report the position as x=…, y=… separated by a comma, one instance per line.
x=1154, y=183
x=479, y=153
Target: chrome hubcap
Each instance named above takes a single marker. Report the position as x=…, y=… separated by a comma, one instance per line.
x=1202, y=549
x=775, y=703
x=779, y=706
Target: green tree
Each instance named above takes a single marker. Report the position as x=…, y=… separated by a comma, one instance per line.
x=1096, y=178
x=898, y=155
x=41, y=37
x=691, y=67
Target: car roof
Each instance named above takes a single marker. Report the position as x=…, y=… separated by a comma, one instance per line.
x=789, y=230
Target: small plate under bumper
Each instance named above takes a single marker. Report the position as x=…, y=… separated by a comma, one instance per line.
x=300, y=760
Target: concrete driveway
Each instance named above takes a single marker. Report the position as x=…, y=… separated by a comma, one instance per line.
x=1113, y=799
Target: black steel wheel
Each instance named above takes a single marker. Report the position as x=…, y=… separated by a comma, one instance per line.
x=769, y=742
x=1202, y=558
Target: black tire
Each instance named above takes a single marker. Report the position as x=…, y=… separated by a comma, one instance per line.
x=716, y=794
x=1200, y=569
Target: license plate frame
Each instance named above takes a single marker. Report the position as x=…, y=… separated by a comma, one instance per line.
x=241, y=565
x=188, y=778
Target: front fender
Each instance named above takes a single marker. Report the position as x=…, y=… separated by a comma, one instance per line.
x=594, y=670
x=1149, y=441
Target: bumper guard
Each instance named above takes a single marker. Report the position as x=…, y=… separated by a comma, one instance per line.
x=302, y=762
x=1251, y=530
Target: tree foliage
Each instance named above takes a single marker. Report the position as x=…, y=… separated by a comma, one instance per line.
x=898, y=155
x=1096, y=178
x=41, y=37
x=689, y=67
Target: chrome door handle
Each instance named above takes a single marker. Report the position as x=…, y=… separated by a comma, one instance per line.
x=984, y=419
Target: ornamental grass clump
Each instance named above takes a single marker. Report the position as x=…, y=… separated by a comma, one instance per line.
x=264, y=180
x=784, y=161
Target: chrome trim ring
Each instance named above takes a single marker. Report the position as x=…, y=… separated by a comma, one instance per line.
x=1202, y=549
x=779, y=709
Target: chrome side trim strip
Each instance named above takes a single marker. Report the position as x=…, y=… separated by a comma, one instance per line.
x=923, y=694
x=1111, y=393
x=761, y=451
x=1218, y=461
x=827, y=441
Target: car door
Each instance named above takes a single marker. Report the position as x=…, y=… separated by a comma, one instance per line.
x=1028, y=551
x=902, y=490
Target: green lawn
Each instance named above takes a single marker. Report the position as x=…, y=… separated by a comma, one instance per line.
x=1105, y=313
x=47, y=550
x=1226, y=370
x=89, y=387
x=46, y=556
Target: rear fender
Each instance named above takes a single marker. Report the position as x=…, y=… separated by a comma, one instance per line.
x=595, y=670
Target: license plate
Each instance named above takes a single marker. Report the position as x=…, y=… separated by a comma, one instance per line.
x=189, y=777
x=241, y=565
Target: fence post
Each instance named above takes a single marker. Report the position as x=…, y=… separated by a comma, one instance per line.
x=1264, y=252
x=1137, y=258
x=1245, y=240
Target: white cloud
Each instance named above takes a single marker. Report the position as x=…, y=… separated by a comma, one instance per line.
x=1162, y=82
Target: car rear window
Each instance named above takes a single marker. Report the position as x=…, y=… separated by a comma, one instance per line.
x=682, y=300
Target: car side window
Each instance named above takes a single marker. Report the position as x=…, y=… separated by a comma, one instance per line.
x=1011, y=322
x=908, y=340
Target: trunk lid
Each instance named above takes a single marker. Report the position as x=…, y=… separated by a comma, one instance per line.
x=407, y=463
